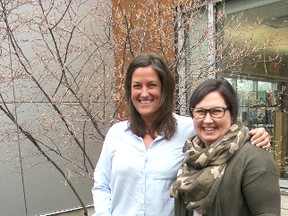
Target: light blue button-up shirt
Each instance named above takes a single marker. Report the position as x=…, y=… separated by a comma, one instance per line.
x=131, y=180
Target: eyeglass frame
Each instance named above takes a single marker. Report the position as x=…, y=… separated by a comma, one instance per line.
x=209, y=110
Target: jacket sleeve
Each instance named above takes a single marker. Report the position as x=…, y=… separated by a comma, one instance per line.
x=101, y=190
x=260, y=184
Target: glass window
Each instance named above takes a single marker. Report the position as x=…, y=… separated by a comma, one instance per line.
x=259, y=29
x=252, y=53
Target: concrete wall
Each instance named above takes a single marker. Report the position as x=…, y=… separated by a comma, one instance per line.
x=29, y=183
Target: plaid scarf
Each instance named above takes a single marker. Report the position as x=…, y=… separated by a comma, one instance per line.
x=201, y=173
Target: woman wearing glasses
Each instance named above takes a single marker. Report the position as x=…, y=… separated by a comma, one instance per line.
x=223, y=174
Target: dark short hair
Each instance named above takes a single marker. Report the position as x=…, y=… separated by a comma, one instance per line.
x=164, y=112
x=222, y=86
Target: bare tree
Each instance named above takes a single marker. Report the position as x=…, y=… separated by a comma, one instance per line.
x=57, y=82
x=184, y=35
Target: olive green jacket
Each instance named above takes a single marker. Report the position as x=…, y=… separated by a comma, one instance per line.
x=250, y=186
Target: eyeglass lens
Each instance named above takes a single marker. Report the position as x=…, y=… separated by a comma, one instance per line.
x=216, y=112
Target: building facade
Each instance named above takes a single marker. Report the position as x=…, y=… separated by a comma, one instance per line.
x=244, y=41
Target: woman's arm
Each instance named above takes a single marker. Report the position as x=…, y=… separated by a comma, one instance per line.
x=260, y=137
x=260, y=184
x=101, y=191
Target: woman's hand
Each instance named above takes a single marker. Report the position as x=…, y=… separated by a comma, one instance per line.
x=260, y=137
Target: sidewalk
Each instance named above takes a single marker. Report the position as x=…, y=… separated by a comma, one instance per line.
x=284, y=197
x=284, y=205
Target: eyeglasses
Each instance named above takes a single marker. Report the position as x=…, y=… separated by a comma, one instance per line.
x=215, y=112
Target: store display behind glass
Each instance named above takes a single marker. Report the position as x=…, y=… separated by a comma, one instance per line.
x=254, y=110
x=262, y=82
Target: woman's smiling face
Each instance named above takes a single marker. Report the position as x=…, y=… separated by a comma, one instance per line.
x=210, y=129
x=146, y=91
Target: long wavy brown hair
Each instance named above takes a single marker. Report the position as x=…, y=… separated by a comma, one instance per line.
x=165, y=123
